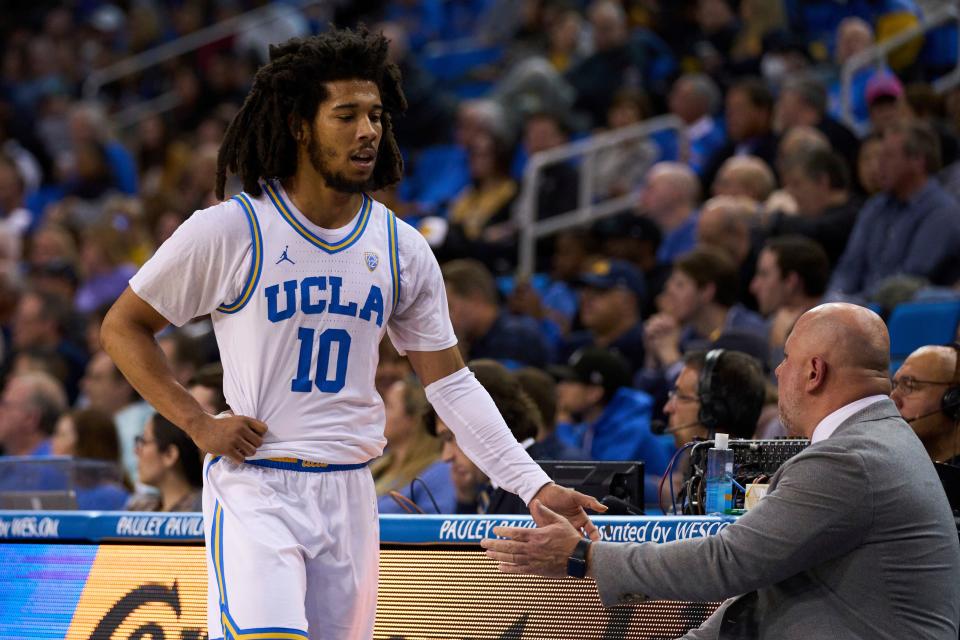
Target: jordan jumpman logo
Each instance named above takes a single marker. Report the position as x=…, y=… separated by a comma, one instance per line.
x=284, y=256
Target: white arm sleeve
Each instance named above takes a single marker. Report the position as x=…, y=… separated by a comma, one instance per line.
x=468, y=410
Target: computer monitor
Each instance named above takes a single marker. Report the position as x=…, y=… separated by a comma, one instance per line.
x=53, y=482
x=38, y=500
x=623, y=480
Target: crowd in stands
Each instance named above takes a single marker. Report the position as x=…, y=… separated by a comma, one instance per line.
x=772, y=197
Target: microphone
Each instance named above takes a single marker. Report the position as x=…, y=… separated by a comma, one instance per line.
x=659, y=427
x=922, y=416
x=618, y=507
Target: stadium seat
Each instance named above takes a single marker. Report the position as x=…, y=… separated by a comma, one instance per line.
x=456, y=65
x=435, y=176
x=914, y=324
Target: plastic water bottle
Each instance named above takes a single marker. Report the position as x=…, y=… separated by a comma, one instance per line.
x=719, y=476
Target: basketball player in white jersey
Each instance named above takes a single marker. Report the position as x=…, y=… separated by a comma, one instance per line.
x=302, y=274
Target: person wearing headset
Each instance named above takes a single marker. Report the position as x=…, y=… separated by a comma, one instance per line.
x=926, y=390
x=717, y=390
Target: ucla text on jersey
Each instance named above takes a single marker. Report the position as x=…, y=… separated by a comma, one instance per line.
x=307, y=295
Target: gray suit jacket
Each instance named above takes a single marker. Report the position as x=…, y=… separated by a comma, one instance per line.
x=855, y=539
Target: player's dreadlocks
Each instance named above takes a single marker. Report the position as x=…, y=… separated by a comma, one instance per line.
x=261, y=141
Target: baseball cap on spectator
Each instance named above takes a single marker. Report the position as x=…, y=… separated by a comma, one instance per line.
x=628, y=225
x=610, y=274
x=595, y=366
x=884, y=85
x=745, y=342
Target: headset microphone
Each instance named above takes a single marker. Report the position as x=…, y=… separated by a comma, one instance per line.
x=659, y=427
x=923, y=415
x=950, y=401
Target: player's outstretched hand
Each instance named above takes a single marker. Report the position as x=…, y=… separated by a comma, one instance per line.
x=236, y=437
x=542, y=551
x=571, y=504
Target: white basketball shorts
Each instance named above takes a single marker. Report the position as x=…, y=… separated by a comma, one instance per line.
x=292, y=550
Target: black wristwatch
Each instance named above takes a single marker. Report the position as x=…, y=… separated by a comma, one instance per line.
x=577, y=562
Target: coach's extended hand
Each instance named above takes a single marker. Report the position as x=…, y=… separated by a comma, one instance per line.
x=542, y=551
x=236, y=437
x=570, y=504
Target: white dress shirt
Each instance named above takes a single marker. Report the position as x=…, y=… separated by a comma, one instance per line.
x=829, y=424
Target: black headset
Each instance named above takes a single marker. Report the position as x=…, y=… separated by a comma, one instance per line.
x=713, y=411
x=950, y=403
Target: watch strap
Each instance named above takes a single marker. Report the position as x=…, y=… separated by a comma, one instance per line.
x=577, y=562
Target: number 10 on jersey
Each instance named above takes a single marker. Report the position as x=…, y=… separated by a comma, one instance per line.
x=330, y=340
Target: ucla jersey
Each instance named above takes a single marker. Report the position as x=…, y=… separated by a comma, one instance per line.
x=300, y=344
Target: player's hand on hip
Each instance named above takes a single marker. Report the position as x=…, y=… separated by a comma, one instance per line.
x=571, y=504
x=235, y=437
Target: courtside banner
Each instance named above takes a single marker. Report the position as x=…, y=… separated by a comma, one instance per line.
x=420, y=529
x=394, y=529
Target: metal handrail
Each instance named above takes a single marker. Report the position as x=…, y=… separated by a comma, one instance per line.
x=525, y=213
x=136, y=113
x=184, y=44
x=877, y=54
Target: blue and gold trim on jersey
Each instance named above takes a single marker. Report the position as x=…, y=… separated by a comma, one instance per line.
x=216, y=552
x=308, y=235
x=295, y=464
x=256, y=267
x=394, y=245
x=231, y=630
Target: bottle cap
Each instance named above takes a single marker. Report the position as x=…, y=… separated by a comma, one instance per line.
x=721, y=441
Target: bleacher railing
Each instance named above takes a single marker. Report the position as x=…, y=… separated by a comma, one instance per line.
x=877, y=56
x=588, y=208
x=175, y=48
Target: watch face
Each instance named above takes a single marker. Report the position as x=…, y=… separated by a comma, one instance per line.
x=576, y=568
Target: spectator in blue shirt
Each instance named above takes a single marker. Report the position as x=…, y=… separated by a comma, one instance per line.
x=695, y=98
x=411, y=464
x=99, y=480
x=670, y=196
x=542, y=389
x=483, y=329
x=610, y=311
x=817, y=21
x=912, y=227
x=88, y=124
x=606, y=418
x=29, y=408
x=699, y=303
x=853, y=36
